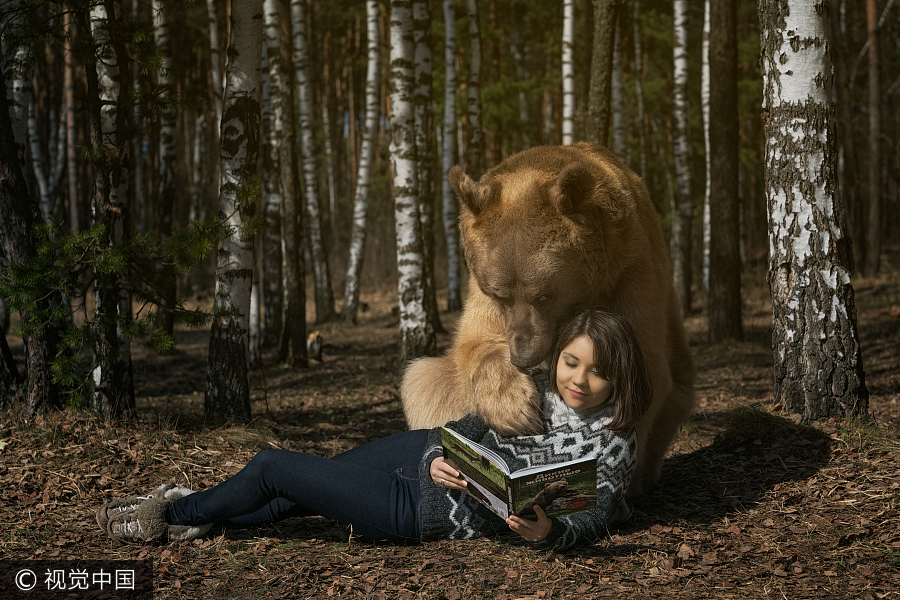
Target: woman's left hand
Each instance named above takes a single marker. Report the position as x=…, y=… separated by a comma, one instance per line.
x=533, y=531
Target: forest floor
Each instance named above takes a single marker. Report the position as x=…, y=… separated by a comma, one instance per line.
x=752, y=503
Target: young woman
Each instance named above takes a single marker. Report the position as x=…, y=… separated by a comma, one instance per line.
x=401, y=489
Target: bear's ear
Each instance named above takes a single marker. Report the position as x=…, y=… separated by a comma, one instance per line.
x=474, y=196
x=574, y=186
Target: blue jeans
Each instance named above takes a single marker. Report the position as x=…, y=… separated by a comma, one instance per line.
x=374, y=488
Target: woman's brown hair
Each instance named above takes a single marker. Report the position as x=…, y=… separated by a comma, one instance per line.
x=618, y=358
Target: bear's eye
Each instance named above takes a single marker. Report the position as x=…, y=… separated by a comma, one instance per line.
x=543, y=297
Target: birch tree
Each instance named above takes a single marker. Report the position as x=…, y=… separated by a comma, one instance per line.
x=568, y=73
x=306, y=98
x=366, y=155
x=417, y=337
x=20, y=217
x=818, y=360
x=448, y=159
x=227, y=381
x=166, y=181
x=724, y=305
x=113, y=393
x=683, y=209
x=215, y=59
x=475, y=141
x=273, y=201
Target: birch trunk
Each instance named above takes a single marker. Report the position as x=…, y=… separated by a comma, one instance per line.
x=818, y=360
x=306, y=99
x=215, y=59
x=167, y=190
x=568, y=73
x=417, y=337
x=704, y=110
x=227, y=382
x=449, y=158
x=18, y=66
x=20, y=217
x=366, y=155
x=273, y=202
x=683, y=209
x=113, y=393
x=475, y=156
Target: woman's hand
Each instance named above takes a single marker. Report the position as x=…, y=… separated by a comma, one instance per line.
x=445, y=474
x=533, y=531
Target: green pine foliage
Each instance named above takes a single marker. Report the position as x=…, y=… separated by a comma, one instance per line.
x=67, y=266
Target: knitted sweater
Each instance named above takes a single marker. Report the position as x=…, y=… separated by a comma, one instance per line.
x=570, y=434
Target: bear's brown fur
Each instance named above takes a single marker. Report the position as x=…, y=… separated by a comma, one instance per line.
x=549, y=231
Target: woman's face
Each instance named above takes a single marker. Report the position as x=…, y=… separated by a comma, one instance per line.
x=577, y=379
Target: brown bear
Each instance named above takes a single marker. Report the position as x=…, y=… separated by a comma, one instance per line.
x=546, y=233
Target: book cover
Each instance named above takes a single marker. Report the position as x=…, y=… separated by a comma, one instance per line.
x=557, y=488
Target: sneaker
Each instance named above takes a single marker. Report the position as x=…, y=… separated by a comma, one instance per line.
x=145, y=523
x=130, y=503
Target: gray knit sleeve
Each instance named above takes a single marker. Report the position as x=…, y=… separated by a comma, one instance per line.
x=615, y=465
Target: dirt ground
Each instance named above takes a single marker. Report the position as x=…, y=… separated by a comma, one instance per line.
x=751, y=504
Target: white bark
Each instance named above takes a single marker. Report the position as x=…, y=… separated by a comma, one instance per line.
x=449, y=158
x=683, y=209
x=306, y=110
x=274, y=110
x=416, y=334
x=215, y=57
x=366, y=154
x=227, y=384
x=818, y=362
x=568, y=73
x=704, y=107
x=17, y=68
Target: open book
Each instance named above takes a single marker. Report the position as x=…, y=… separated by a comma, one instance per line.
x=559, y=488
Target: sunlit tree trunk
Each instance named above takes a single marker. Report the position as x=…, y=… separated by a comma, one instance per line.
x=724, y=304
x=874, y=231
x=818, y=360
x=306, y=98
x=273, y=204
x=166, y=181
x=598, y=113
x=227, y=379
x=639, y=86
x=113, y=393
x=683, y=209
x=366, y=155
x=568, y=73
x=449, y=158
x=417, y=337
x=475, y=136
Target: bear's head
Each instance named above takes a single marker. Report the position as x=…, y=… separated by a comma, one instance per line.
x=533, y=237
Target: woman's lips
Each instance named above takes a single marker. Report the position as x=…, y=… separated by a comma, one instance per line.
x=576, y=393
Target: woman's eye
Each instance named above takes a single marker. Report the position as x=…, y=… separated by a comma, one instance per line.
x=571, y=365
